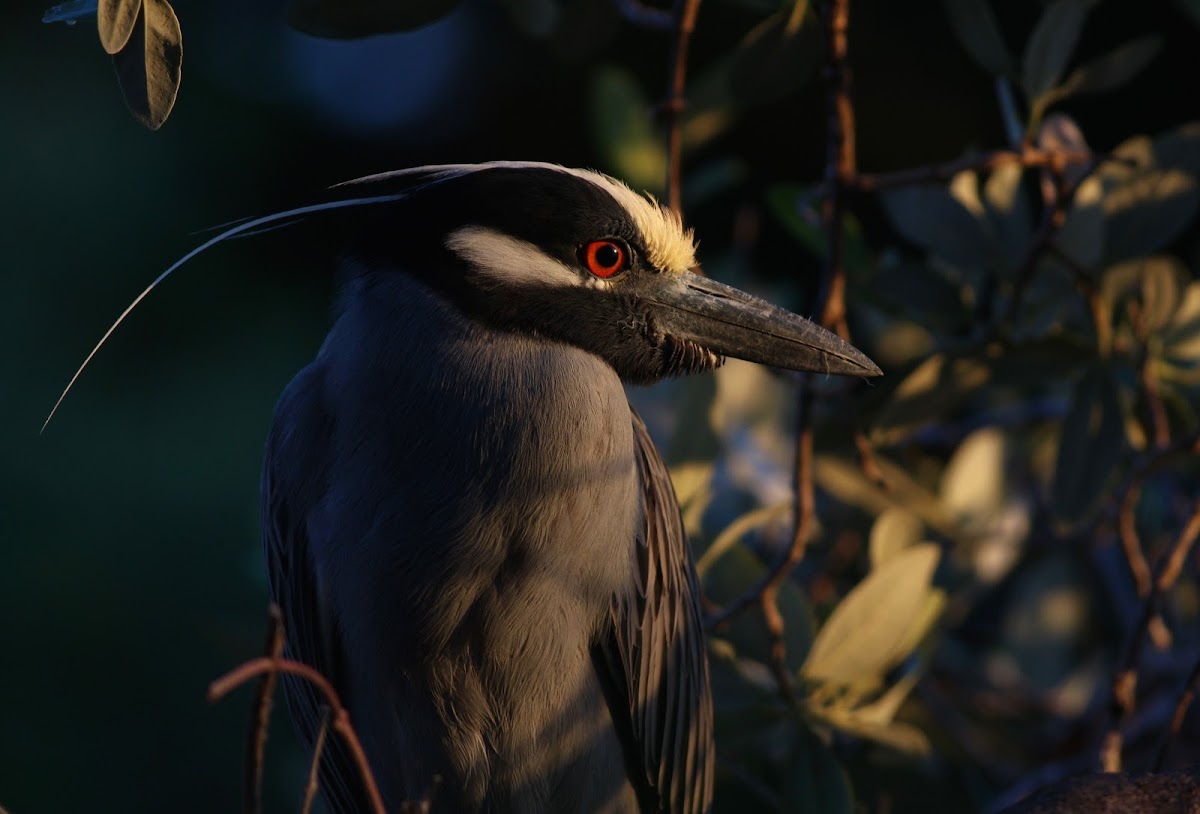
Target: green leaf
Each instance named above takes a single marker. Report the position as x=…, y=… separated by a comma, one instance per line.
x=739, y=569
x=149, y=66
x=859, y=641
x=116, y=20
x=797, y=209
x=934, y=388
x=1092, y=439
x=1114, y=69
x=777, y=57
x=895, y=530
x=1051, y=45
x=1149, y=210
x=350, y=19
x=933, y=219
x=623, y=129
x=977, y=32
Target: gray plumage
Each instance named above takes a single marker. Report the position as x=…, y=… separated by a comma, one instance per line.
x=467, y=527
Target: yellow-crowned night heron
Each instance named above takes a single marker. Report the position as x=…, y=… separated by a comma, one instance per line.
x=468, y=528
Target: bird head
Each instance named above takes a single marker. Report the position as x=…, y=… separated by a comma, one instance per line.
x=576, y=256
x=572, y=255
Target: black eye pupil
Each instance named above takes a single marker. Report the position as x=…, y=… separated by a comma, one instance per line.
x=608, y=255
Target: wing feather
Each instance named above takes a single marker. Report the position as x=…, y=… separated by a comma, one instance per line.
x=288, y=491
x=658, y=638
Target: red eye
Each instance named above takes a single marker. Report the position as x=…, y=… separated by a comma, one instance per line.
x=605, y=258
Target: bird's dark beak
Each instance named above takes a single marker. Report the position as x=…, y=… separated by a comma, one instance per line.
x=733, y=323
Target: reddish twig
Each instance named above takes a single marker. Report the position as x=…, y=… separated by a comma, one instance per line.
x=256, y=737
x=1124, y=687
x=341, y=718
x=1126, y=506
x=314, y=768
x=685, y=14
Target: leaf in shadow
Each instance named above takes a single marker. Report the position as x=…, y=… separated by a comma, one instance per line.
x=1092, y=439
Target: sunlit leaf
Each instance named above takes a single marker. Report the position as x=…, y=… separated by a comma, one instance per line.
x=348, y=19
x=846, y=482
x=858, y=640
x=1091, y=444
x=1051, y=45
x=1060, y=132
x=149, y=66
x=975, y=26
x=936, y=387
x=932, y=218
x=116, y=20
x=623, y=129
x=1148, y=211
x=973, y=485
x=1114, y=69
x=1181, y=339
x=901, y=736
x=893, y=531
x=1158, y=282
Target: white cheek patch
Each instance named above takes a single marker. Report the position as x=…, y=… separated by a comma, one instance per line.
x=509, y=261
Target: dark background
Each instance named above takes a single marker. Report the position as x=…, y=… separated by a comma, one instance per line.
x=130, y=568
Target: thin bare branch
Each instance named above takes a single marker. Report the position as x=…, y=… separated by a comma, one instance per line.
x=1027, y=156
x=341, y=719
x=314, y=768
x=256, y=736
x=1124, y=686
x=684, y=17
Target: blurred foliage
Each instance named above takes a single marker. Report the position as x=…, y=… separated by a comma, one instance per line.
x=952, y=632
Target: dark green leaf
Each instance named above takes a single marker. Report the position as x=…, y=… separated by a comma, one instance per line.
x=738, y=570
x=932, y=218
x=977, y=32
x=1179, y=148
x=776, y=58
x=1191, y=8
x=348, y=19
x=935, y=388
x=115, y=19
x=1148, y=211
x=1051, y=45
x=1090, y=448
x=149, y=66
x=1114, y=69
x=798, y=209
